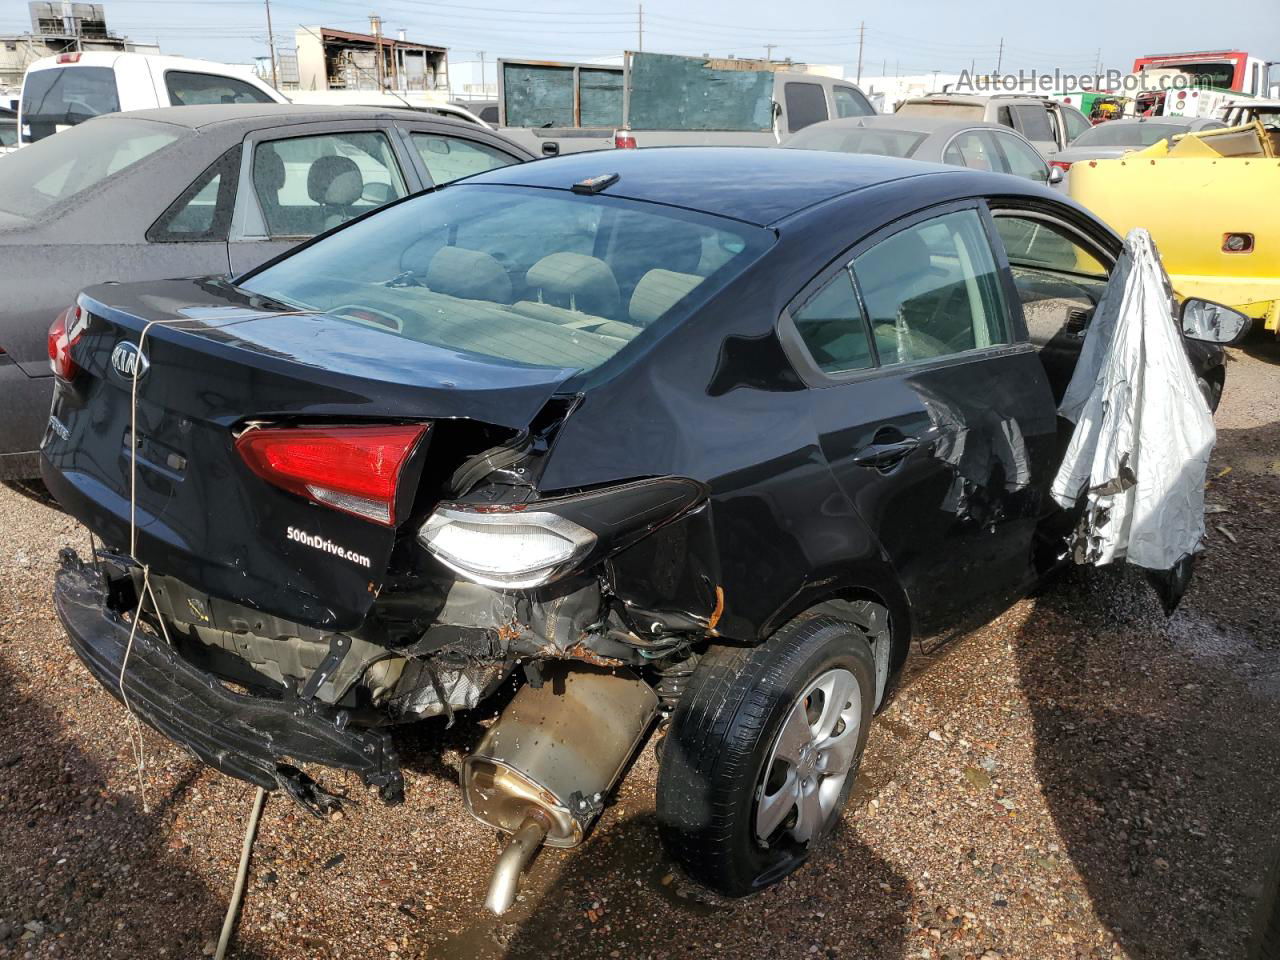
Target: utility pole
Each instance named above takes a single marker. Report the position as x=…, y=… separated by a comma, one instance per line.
x=862, y=30
x=1000, y=56
x=271, y=43
x=640, y=27
x=482, y=90
x=768, y=52
x=1097, y=63
x=375, y=27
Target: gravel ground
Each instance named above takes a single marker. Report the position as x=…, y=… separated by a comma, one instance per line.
x=1080, y=778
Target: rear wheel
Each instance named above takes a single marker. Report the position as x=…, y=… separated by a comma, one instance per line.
x=762, y=752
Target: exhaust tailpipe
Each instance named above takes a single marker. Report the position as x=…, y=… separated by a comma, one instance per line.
x=542, y=772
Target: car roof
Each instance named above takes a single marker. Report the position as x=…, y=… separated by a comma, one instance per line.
x=759, y=185
x=203, y=115
x=911, y=123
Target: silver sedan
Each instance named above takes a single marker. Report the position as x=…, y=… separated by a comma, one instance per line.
x=961, y=143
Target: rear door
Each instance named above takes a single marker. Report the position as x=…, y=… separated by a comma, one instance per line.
x=932, y=410
x=299, y=181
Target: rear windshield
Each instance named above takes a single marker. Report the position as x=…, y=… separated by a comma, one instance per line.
x=539, y=277
x=47, y=173
x=64, y=96
x=884, y=143
x=952, y=111
x=1128, y=134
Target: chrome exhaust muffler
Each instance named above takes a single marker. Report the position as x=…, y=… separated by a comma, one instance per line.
x=543, y=771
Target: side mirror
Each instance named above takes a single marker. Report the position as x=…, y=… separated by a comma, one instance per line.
x=1212, y=322
x=1056, y=175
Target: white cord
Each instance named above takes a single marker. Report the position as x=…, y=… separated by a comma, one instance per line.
x=237, y=894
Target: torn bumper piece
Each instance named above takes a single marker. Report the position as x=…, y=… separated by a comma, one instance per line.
x=253, y=738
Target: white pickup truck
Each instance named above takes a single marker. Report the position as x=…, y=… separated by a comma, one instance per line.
x=658, y=99
x=69, y=88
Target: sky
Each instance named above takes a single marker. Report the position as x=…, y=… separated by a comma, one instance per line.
x=906, y=37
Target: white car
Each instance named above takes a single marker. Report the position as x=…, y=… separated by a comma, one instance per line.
x=63, y=90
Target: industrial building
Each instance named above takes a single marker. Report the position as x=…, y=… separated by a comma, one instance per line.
x=60, y=28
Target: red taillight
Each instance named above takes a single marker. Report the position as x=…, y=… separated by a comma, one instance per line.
x=352, y=469
x=624, y=140
x=65, y=330
x=68, y=58
x=1063, y=165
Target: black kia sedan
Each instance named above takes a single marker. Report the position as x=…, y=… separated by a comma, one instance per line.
x=708, y=436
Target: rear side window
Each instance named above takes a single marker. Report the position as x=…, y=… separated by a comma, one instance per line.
x=970, y=149
x=832, y=328
x=64, y=96
x=932, y=290
x=806, y=104
x=8, y=133
x=193, y=89
x=1032, y=121
x=59, y=168
x=450, y=158
x=307, y=185
x=203, y=211
x=851, y=103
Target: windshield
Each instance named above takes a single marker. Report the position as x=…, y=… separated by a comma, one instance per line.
x=539, y=277
x=1128, y=134
x=51, y=171
x=884, y=143
x=64, y=96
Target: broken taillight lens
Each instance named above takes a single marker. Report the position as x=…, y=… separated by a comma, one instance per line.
x=64, y=333
x=355, y=469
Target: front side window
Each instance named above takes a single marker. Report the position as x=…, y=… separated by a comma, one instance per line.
x=64, y=96
x=306, y=185
x=1077, y=123
x=832, y=328
x=1020, y=158
x=53, y=171
x=932, y=290
x=192, y=89
x=1059, y=280
x=451, y=158
x=851, y=103
x=806, y=104
x=534, y=276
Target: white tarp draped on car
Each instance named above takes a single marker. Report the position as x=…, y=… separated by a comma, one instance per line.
x=1143, y=432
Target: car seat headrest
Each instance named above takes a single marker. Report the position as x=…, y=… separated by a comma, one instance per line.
x=657, y=292
x=585, y=283
x=469, y=275
x=334, y=181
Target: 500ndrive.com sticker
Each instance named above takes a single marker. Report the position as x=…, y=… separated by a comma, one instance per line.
x=328, y=546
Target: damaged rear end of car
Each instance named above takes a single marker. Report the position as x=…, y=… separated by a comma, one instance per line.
x=321, y=514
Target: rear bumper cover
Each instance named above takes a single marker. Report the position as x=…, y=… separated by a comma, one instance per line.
x=253, y=738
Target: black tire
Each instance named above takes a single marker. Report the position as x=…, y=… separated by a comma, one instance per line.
x=722, y=733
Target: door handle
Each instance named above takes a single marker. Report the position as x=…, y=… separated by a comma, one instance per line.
x=883, y=455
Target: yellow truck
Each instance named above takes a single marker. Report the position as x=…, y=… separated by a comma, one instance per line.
x=1211, y=201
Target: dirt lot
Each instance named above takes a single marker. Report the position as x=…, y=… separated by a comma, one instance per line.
x=1081, y=778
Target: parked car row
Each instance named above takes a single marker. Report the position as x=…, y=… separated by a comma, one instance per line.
x=723, y=432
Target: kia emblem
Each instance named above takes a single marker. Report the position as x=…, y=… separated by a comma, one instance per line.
x=127, y=360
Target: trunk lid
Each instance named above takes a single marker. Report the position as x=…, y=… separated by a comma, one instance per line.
x=216, y=360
